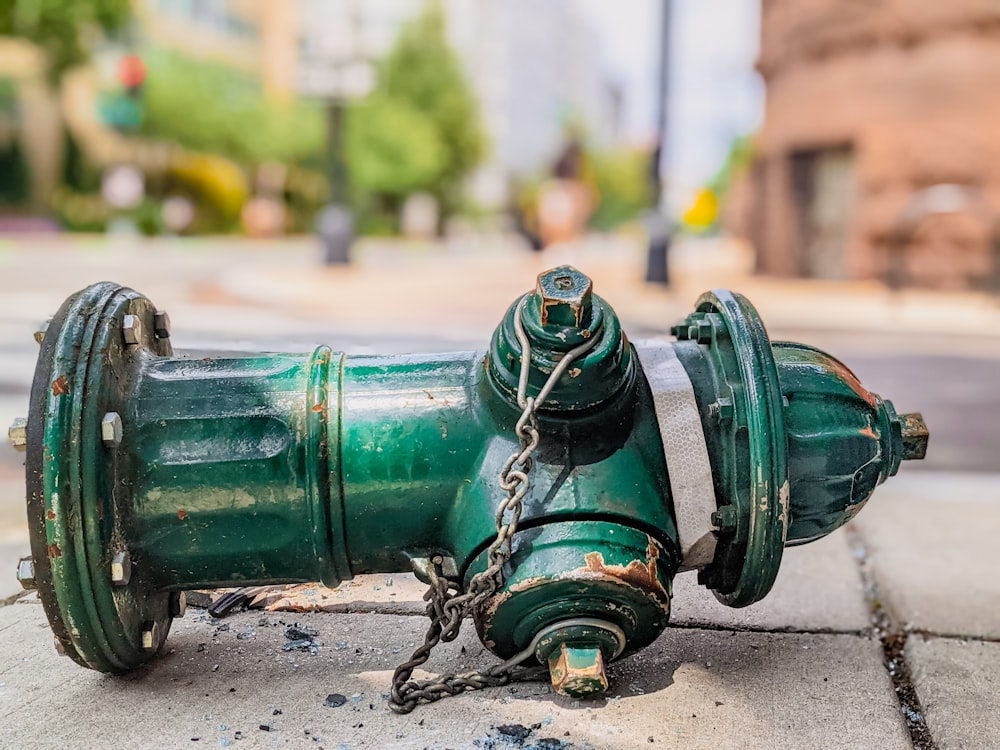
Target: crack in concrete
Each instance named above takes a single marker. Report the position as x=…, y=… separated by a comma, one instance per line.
x=893, y=638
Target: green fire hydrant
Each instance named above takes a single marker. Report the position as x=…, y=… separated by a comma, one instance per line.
x=551, y=486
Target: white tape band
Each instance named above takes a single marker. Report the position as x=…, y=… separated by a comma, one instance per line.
x=684, y=449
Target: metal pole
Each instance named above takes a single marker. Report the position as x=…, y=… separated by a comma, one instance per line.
x=657, y=269
x=335, y=222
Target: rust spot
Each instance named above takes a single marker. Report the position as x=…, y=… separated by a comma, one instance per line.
x=60, y=386
x=54, y=550
x=206, y=359
x=182, y=514
x=51, y=515
x=867, y=431
x=318, y=408
x=638, y=573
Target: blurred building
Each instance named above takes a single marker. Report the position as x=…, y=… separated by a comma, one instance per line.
x=880, y=151
x=257, y=37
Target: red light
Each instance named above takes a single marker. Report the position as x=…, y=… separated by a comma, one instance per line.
x=131, y=71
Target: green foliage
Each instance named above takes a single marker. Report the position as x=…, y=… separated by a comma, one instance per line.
x=737, y=162
x=60, y=27
x=207, y=107
x=621, y=179
x=423, y=73
x=394, y=149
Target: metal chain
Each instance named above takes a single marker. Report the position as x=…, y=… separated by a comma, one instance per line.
x=447, y=605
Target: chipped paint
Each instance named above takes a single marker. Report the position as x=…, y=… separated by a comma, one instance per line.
x=60, y=386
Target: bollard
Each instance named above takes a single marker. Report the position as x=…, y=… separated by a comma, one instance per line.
x=550, y=486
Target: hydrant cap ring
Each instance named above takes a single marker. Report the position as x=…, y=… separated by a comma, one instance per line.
x=73, y=513
x=768, y=461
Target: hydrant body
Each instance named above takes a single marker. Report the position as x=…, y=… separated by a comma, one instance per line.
x=151, y=473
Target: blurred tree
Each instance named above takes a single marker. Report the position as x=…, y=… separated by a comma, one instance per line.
x=622, y=186
x=423, y=74
x=61, y=27
x=208, y=107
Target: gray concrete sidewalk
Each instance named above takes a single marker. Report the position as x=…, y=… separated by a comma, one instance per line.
x=805, y=668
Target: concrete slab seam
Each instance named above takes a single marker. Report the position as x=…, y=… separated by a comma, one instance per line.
x=893, y=638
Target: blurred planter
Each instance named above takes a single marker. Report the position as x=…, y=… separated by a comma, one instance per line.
x=217, y=186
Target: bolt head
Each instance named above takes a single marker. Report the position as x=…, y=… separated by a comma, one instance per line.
x=150, y=636
x=722, y=410
x=121, y=568
x=161, y=324
x=132, y=330
x=40, y=333
x=578, y=671
x=26, y=572
x=111, y=429
x=565, y=296
x=724, y=518
x=17, y=433
x=60, y=648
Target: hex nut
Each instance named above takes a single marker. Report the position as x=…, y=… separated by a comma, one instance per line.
x=724, y=519
x=150, y=636
x=121, y=568
x=578, y=671
x=111, y=429
x=17, y=433
x=178, y=603
x=565, y=296
x=132, y=330
x=60, y=648
x=26, y=572
x=161, y=324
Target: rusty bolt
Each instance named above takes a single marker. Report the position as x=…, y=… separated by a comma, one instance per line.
x=17, y=433
x=26, y=572
x=178, y=603
x=132, y=330
x=565, y=295
x=121, y=568
x=150, y=636
x=161, y=324
x=111, y=429
x=577, y=671
x=915, y=436
x=40, y=333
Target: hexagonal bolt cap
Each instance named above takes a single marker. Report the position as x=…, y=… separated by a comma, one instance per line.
x=132, y=330
x=577, y=671
x=150, y=636
x=915, y=436
x=111, y=429
x=121, y=568
x=178, y=604
x=17, y=433
x=566, y=297
x=161, y=324
x=26, y=572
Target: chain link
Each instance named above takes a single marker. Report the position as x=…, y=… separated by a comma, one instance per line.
x=447, y=605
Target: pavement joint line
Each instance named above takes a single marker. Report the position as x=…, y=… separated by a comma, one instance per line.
x=719, y=628
x=893, y=639
x=953, y=636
